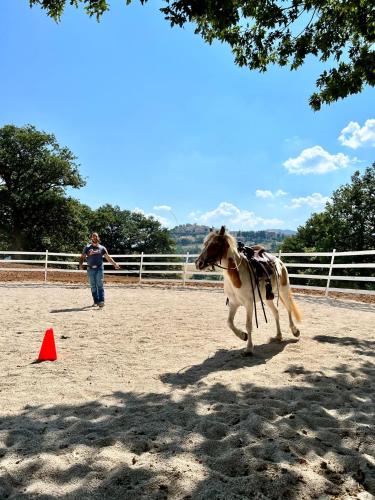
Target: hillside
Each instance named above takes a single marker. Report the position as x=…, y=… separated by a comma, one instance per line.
x=189, y=237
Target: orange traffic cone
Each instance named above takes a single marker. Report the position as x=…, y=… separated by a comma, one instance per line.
x=48, y=349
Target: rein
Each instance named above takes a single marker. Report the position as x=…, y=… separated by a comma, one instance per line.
x=254, y=284
x=229, y=268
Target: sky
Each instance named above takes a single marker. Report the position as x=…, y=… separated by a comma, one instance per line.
x=162, y=123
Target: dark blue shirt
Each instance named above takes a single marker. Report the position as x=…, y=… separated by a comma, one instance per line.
x=94, y=255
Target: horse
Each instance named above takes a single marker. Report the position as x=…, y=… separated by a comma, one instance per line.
x=220, y=249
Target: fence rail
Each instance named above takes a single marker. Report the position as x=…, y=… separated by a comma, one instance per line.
x=181, y=268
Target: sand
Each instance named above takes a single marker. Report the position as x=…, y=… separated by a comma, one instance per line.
x=150, y=398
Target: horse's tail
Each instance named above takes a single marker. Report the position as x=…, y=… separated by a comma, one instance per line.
x=296, y=312
x=284, y=281
x=284, y=278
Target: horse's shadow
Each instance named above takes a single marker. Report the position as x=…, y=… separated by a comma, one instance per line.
x=225, y=359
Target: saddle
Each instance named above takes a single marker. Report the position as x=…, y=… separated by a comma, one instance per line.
x=262, y=264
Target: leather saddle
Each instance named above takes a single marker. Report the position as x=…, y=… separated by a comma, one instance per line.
x=262, y=264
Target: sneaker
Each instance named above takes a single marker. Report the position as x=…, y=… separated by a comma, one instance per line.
x=94, y=304
x=101, y=304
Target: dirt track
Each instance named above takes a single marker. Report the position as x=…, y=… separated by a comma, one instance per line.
x=151, y=398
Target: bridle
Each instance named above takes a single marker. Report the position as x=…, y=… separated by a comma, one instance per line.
x=213, y=261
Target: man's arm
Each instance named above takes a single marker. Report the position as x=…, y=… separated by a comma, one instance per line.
x=109, y=259
x=81, y=260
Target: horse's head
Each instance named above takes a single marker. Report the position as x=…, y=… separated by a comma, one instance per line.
x=215, y=248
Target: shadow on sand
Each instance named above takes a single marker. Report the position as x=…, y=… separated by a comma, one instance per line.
x=258, y=442
x=74, y=309
x=225, y=360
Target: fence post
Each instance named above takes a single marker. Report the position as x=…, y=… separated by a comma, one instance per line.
x=330, y=272
x=185, y=269
x=46, y=267
x=140, y=268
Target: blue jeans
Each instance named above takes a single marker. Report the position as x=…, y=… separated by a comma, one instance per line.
x=96, y=282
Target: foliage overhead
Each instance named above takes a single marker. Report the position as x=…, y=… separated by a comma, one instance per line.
x=346, y=224
x=34, y=174
x=339, y=33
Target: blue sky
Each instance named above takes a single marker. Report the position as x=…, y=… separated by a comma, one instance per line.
x=163, y=123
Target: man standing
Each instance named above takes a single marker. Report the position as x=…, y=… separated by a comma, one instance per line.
x=94, y=254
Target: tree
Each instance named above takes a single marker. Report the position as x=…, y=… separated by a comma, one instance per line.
x=66, y=228
x=34, y=174
x=340, y=33
x=314, y=236
x=347, y=223
x=352, y=213
x=123, y=231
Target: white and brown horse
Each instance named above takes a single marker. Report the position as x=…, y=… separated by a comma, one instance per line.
x=220, y=249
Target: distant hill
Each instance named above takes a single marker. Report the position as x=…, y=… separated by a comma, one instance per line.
x=287, y=232
x=189, y=237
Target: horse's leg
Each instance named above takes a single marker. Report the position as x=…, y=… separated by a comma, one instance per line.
x=249, y=326
x=287, y=300
x=232, y=312
x=275, y=313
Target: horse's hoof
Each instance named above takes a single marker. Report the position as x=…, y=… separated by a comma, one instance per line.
x=296, y=332
x=276, y=339
x=242, y=335
x=246, y=354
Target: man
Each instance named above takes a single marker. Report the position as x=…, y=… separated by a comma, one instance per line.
x=94, y=254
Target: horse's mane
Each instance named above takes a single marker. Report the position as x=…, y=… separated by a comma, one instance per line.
x=231, y=241
x=229, y=238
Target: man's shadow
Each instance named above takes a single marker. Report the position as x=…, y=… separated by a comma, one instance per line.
x=72, y=309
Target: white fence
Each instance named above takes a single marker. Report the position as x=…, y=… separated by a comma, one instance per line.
x=181, y=268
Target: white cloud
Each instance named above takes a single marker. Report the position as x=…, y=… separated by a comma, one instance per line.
x=280, y=192
x=139, y=210
x=264, y=193
x=260, y=193
x=233, y=217
x=317, y=160
x=315, y=200
x=355, y=136
x=163, y=220
x=163, y=207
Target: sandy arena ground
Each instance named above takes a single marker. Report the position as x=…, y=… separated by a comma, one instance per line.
x=150, y=398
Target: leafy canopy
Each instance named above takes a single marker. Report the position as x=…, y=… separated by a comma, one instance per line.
x=283, y=32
